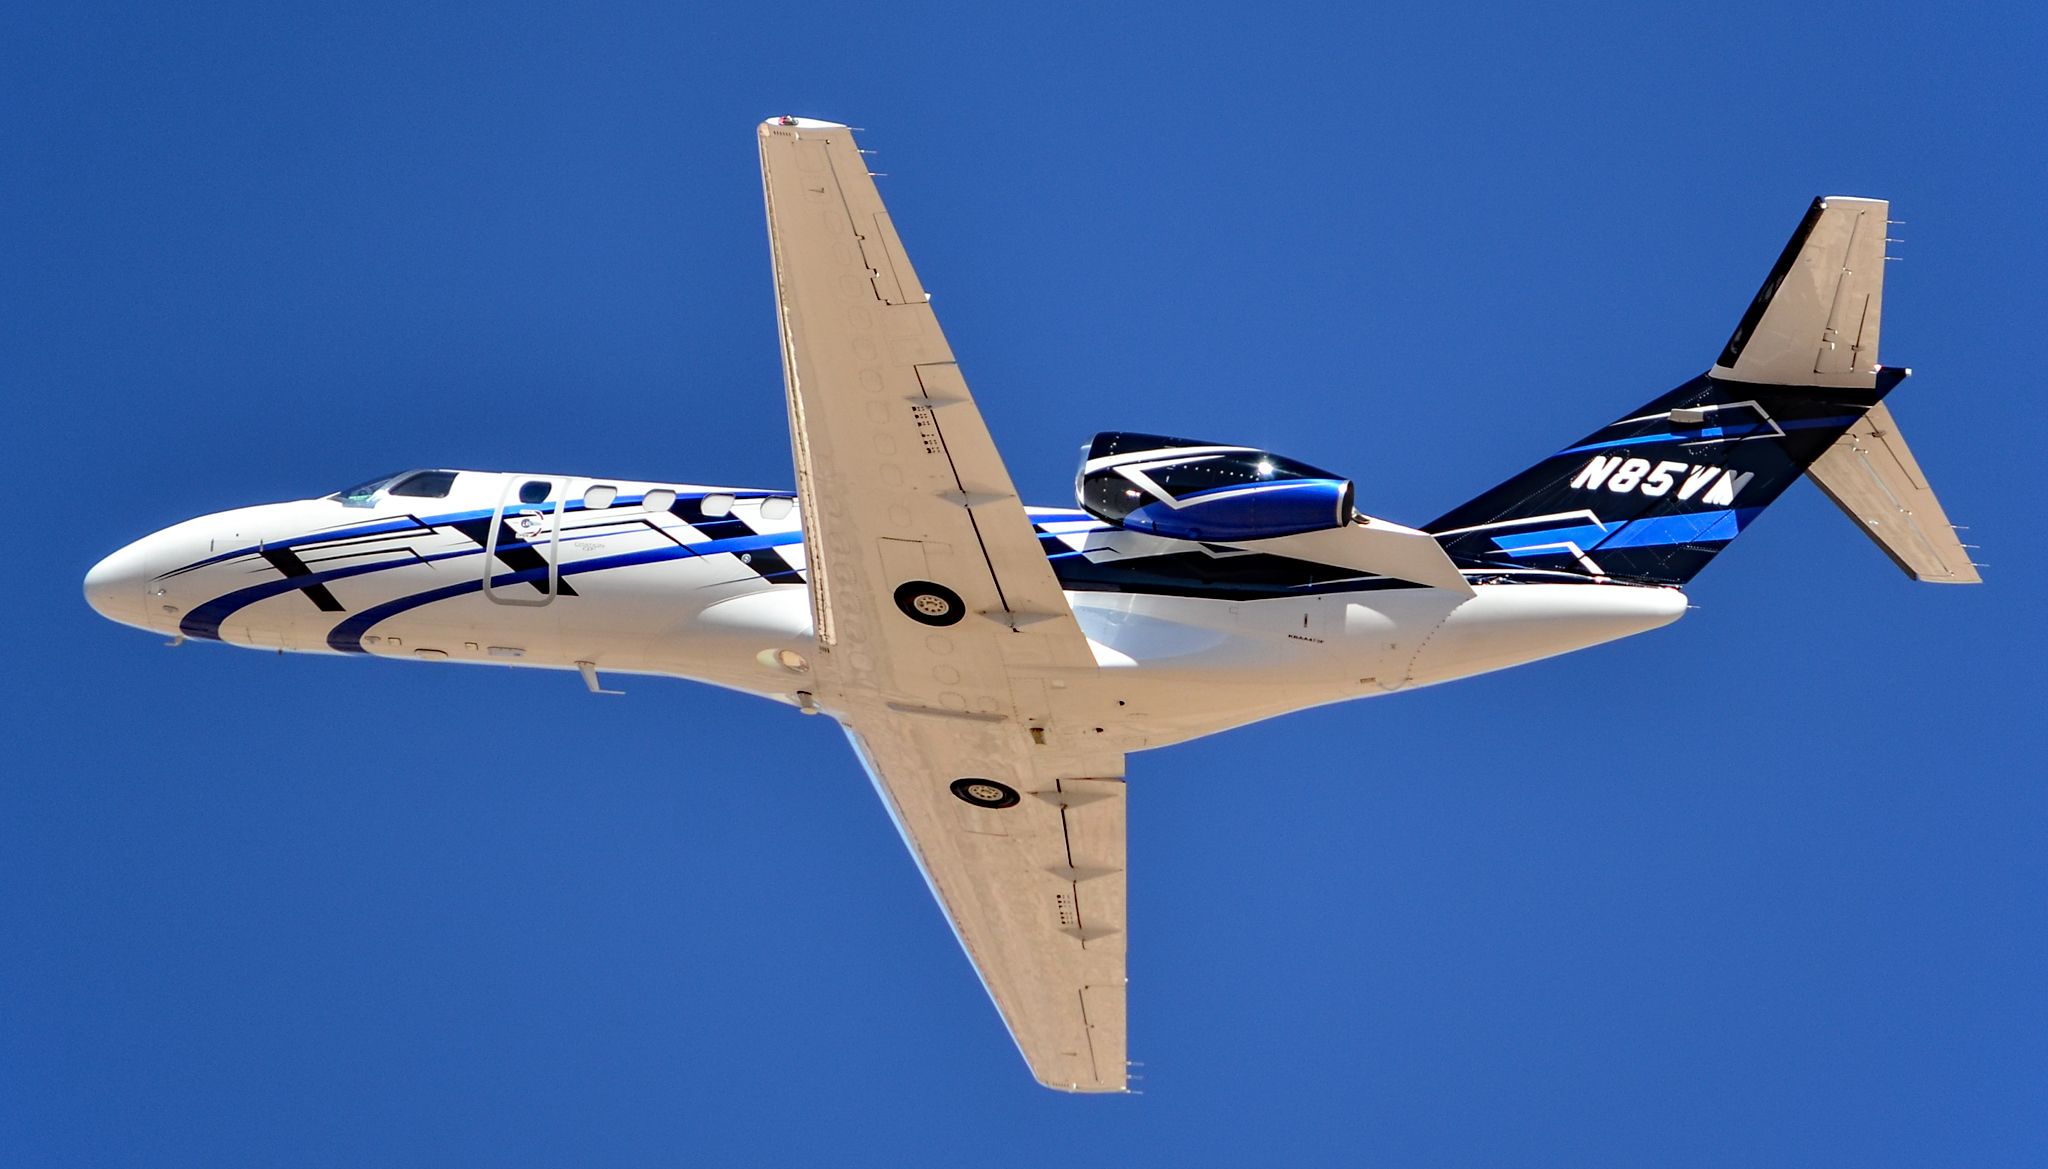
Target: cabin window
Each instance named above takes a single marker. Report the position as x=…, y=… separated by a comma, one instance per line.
x=659, y=499
x=600, y=497
x=534, y=490
x=776, y=507
x=425, y=485
x=717, y=505
x=362, y=493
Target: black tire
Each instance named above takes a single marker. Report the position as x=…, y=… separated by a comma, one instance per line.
x=985, y=793
x=928, y=603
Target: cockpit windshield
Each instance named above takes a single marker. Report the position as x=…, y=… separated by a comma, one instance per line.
x=418, y=484
x=362, y=493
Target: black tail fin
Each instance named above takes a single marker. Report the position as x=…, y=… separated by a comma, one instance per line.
x=1652, y=497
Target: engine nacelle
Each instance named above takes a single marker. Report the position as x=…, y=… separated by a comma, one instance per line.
x=1187, y=490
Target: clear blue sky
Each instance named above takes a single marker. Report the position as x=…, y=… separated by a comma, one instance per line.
x=1764, y=888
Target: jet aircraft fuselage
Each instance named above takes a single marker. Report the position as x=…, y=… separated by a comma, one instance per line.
x=708, y=583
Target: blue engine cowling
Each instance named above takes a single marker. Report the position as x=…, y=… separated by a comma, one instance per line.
x=1188, y=490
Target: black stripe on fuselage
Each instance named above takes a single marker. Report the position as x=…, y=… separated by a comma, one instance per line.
x=772, y=567
x=513, y=552
x=767, y=563
x=287, y=562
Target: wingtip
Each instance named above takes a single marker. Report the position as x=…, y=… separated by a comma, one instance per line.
x=792, y=122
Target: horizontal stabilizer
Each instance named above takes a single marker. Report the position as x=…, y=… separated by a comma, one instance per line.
x=1815, y=320
x=1380, y=547
x=1872, y=476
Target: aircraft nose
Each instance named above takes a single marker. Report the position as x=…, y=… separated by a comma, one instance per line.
x=115, y=587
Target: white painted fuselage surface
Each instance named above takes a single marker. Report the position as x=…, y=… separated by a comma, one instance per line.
x=708, y=583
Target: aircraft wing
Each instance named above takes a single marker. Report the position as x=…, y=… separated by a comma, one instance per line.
x=1035, y=891
x=945, y=644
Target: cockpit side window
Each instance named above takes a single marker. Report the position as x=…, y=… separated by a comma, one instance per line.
x=425, y=485
x=362, y=493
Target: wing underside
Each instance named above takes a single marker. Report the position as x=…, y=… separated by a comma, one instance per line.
x=945, y=644
x=1035, y=891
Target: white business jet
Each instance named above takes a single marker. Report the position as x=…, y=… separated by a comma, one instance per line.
x=993, y=663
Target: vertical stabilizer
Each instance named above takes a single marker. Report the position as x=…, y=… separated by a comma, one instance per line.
x=1656, y=494
x=1653, y=496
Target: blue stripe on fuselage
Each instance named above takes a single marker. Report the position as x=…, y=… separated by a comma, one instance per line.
x=416, y=523
x=347, y=637
x=204, y=621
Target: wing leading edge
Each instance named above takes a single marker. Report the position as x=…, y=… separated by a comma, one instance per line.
x=945, y=645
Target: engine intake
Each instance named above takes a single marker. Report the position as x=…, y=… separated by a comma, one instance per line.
x=1188, y=490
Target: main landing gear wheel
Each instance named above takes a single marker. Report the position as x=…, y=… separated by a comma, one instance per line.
x=985, y=793
x=929, y=604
